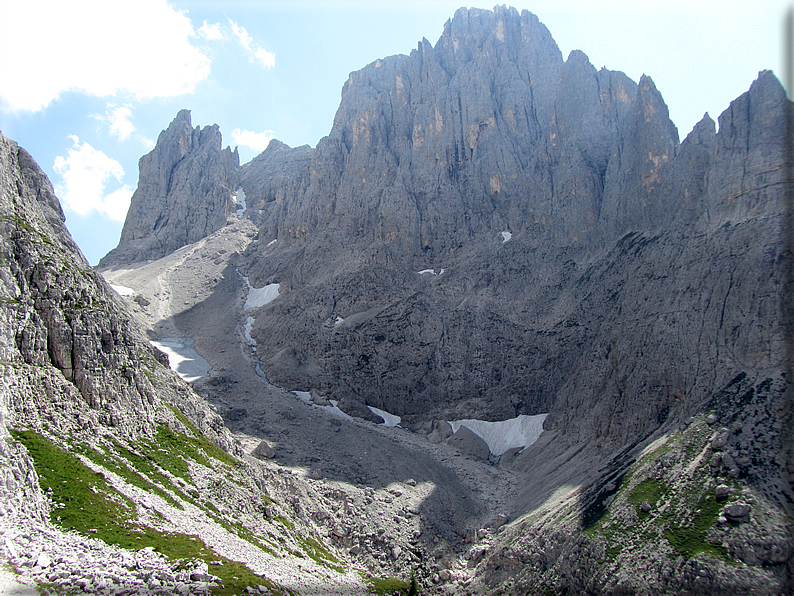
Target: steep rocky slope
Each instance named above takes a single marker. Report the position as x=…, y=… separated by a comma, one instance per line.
x=490, y=231
x=116, y=476
x=184, y=192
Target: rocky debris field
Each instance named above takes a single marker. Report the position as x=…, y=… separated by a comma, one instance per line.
x=60, y=562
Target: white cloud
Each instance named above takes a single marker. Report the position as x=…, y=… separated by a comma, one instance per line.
x=255, y=53
x=84, y=173
x=211, y=32
x=255, y=140
x=95, y=47
x=268, y=59
x=242, y=35
x=118, y=119
x=120, y=124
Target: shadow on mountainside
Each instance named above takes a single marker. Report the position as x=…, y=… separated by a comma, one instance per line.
x=308, y=438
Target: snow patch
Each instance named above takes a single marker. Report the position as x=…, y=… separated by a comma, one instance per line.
x=123, y=290
x=272, y=242
x=431, y=271
x=249, y=323
x=183, y=358
x=332, y=409
x=388, y=419
x=507, y=434
x=178, y=249
x=338, y=320
x=239, y=197
x=506, y=236
x=259, y=296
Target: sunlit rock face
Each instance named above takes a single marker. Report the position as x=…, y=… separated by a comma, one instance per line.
x=184, y=193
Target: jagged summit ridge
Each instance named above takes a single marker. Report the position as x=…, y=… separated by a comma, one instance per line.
x=488, y=130
x=184, y=192
x=433, y=160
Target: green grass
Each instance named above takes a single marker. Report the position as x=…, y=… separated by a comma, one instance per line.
x=689, y=539
x=648, y=491
x=202, y=442
x=85, y=502
x=284, y=522
x=387, y=587
x=613, y=536
x=320, y=554
x=133, y=476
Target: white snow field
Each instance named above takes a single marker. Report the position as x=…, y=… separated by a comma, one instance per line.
x=123, y=290
x=183, y=358
x=507, y=434
x=259, y=296
x=506, y=236
x=431, y=271
x=388, y=419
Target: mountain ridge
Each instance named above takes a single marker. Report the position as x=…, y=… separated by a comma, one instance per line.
x=426, y=168
x=489, y=231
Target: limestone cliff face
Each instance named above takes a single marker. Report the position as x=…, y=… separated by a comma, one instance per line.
x=184, y=193
x=628, y=251
x=487, y=131
x=574, y=253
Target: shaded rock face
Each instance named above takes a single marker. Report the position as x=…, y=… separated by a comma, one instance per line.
x=184, y=193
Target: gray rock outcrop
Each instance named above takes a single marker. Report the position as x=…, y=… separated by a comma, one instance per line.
x=469, y=443
x=184, y=193
x=105, y=453
x=66, y=338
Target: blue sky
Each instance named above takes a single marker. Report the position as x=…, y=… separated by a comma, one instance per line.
x=87, y=85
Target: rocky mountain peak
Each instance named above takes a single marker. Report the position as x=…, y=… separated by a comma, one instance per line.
x=184, y=193
x=503, y=31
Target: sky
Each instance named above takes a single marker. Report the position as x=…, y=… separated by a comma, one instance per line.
x=86, y=86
